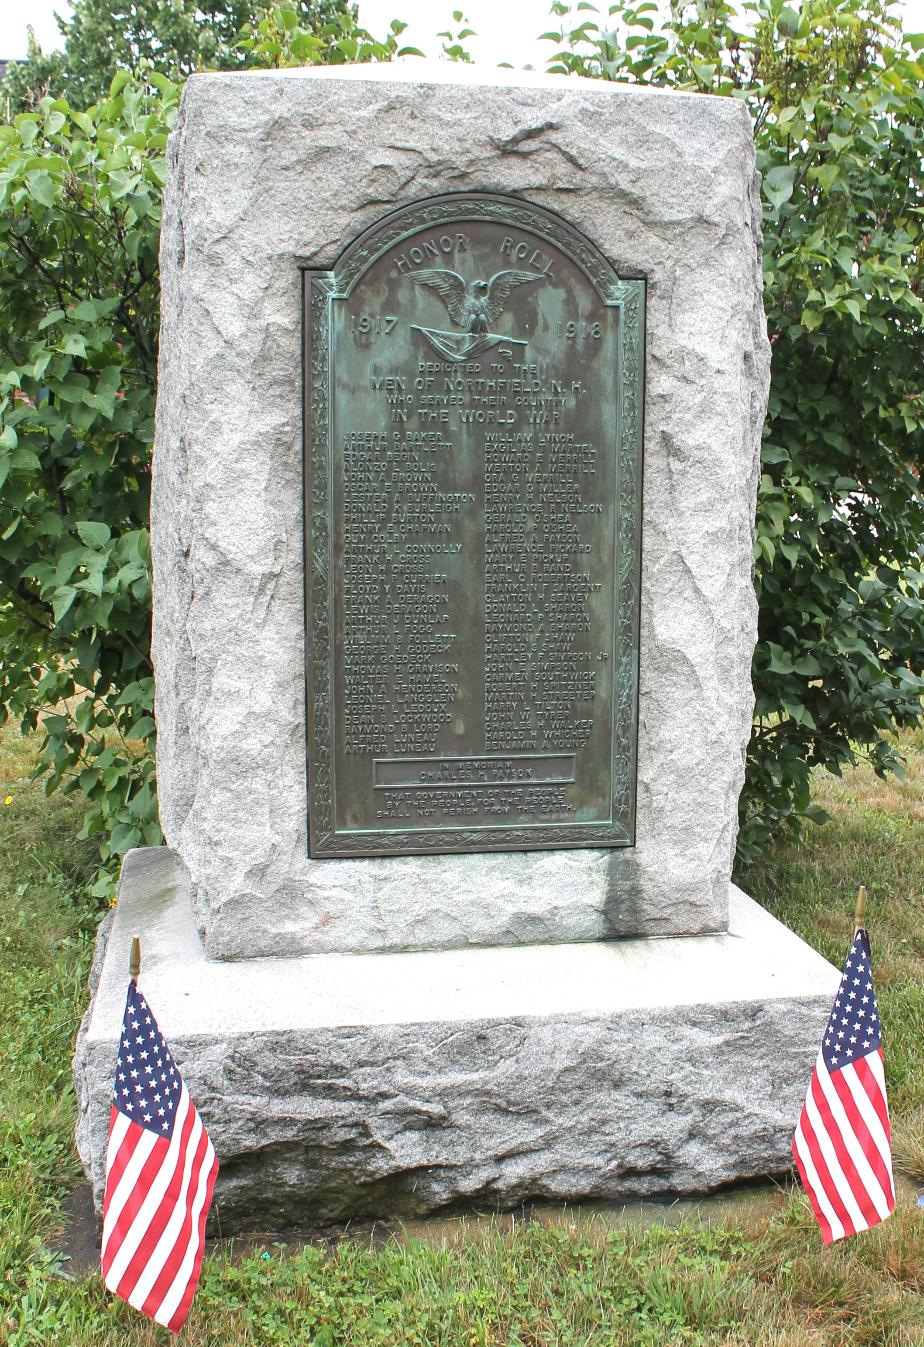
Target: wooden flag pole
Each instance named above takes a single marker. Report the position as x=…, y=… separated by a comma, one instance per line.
x=859, y=919
x=134, y=959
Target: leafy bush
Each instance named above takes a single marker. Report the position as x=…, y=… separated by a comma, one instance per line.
x=837, y=98
x=79, y=218
x=279, y=37
x=79, y=314
x=174, y=37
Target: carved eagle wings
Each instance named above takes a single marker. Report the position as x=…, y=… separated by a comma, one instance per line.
x=476, y=305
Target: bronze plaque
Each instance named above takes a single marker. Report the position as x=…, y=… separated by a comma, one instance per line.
x=473, y=409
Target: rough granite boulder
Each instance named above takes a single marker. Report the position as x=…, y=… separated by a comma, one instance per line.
x=269, y=171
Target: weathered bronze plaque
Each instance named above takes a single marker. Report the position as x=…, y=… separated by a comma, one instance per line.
x=473, y=407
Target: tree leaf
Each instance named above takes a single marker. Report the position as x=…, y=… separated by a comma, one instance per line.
x=40, y=187
x=62, y=600
x=93, y=534
x=778, y=184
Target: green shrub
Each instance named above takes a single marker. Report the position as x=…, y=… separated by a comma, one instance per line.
x=79, y=227
x=837, y=96
x=79, y=315
x=173, y=37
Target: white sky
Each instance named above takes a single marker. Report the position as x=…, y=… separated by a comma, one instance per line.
x=507, y=29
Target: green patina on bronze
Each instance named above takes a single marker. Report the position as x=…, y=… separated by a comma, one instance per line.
x=473, y=434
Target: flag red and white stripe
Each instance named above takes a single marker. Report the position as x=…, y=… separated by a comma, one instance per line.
x=842, y=1146
x=160, y=1172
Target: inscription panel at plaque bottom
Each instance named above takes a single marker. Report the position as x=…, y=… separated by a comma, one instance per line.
x=473, y=429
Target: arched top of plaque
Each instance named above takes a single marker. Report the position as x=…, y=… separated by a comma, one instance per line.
x=471, y=208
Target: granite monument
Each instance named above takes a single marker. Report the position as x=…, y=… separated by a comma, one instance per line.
x=462, y=378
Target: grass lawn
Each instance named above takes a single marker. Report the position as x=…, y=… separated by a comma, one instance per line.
x=756, y=1277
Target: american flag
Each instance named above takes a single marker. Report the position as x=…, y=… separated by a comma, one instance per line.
x=842, y=1145
x=160, y=1172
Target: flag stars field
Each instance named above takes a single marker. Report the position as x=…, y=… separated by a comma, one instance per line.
x=140, y=1098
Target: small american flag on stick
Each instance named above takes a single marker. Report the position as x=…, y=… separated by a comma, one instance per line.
x=160, y=1172
x=842, y=1145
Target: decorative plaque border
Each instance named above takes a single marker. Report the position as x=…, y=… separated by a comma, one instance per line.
x=320, y=290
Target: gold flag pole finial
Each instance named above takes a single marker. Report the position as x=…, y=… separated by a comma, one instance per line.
x=860, y=914
x=134, y=959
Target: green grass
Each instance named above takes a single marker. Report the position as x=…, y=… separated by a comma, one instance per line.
x=757, y=1277
x=45, y=940
x=874, y=836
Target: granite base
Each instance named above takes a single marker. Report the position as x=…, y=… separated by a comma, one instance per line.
x=394, y=1085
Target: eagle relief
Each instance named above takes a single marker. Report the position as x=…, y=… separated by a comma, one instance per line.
x=473, y=306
